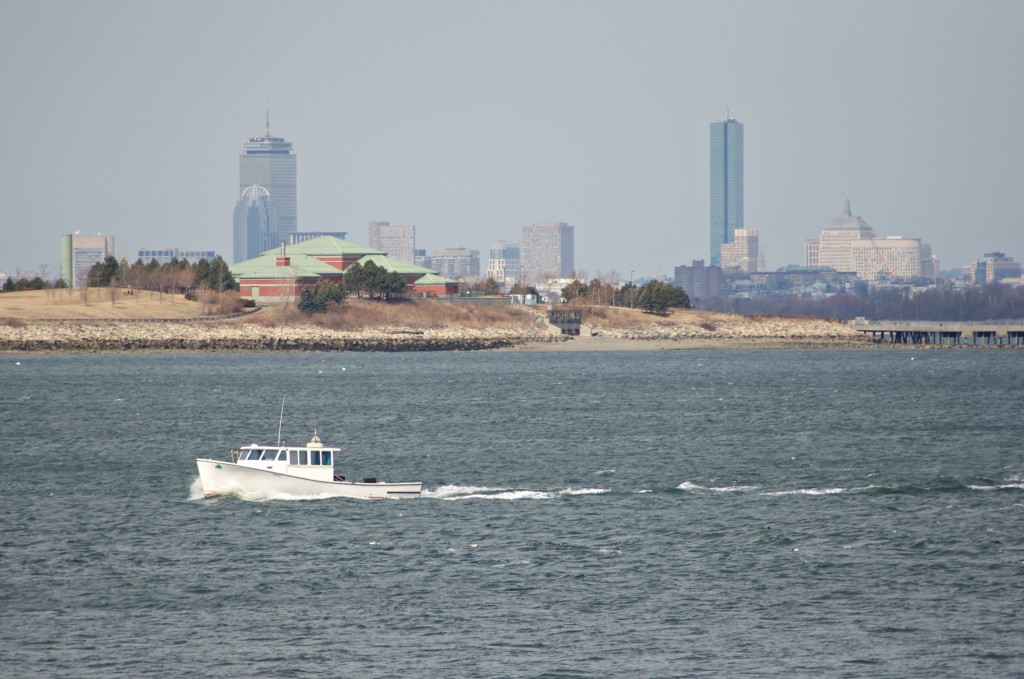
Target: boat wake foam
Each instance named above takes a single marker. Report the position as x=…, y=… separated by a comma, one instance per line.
x=687, y=485
x=452, y=492
x=1014, y=482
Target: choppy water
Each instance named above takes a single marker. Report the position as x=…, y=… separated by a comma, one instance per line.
x=654, y=514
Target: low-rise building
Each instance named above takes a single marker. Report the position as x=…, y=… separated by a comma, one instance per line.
x=993, y=267
x=165, y=255
x=280, y=275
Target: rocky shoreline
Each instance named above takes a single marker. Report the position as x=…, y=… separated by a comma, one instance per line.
x=106, y=337
x=721, y=332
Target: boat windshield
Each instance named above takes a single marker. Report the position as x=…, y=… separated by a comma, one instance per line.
x=254, y=454
x=327, y=457
x=269, y=455
x=314, y=457
x=282, y=455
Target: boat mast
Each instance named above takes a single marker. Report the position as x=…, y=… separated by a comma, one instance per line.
x=280, y=422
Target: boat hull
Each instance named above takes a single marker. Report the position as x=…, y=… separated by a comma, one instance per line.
x=226, y=478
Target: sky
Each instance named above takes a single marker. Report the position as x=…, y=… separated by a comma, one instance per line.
x=472, y=119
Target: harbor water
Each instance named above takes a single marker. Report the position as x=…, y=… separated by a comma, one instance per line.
x=838, y=513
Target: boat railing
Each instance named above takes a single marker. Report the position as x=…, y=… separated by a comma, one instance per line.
x=235, y=454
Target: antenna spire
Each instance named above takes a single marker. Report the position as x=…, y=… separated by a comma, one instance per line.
x=266, y=132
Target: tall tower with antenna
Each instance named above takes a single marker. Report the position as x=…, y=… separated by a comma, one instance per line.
x=267, y=161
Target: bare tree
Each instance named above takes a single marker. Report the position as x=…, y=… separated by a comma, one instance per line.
x=113, y=289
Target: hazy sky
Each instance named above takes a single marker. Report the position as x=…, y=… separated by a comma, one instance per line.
x=473, y=119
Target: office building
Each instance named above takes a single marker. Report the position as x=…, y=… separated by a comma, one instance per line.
x=832, y=248
x=743, y=254
x=165, y=255
x=268, y=161
x=457, y=263
x=992, y=268
x=889, y=258
x=256, y=223
x=726, y=184
x=546, y=252
x=398, y=240
x=849, y=244
x=700, y=282
x=79, y=253
x=504, y=264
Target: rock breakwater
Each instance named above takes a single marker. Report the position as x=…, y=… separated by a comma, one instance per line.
x=736, y=328
x=57, y=337
x=701, y=331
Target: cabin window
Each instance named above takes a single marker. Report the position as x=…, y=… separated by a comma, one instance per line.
x=303, y=457
x=254, y=455
x=293, y=457
x=314, y=457
x=282, y=455
x=327, y=457
x=268, y=455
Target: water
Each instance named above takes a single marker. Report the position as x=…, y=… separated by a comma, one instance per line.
x=655, y=514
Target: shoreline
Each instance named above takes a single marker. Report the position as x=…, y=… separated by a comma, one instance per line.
x=154, y=337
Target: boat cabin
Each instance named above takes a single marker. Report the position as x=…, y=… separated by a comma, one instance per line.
x=312, y=461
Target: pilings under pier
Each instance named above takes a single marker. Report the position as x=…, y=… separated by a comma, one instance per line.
x=944, y=333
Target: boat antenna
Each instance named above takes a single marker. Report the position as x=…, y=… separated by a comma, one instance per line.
x=280, y=422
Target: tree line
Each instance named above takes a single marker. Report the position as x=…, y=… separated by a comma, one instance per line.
x=175, y=276
x=653, y=297
x=991, y=302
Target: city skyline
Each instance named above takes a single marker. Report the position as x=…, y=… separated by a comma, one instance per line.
x=608, y=131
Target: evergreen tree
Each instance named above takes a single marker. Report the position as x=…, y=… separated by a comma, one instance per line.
x=574, y=290
x=306, y=304
x=328, y=294
x=103, y=272
x=656, y=297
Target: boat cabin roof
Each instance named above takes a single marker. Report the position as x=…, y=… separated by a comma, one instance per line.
x=258, y=446
x=314, y=444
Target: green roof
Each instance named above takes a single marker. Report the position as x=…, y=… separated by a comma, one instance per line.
x=324, y=246
x=434, y=279
x=265, y=266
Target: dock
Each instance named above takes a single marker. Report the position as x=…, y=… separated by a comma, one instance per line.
x=994, y=333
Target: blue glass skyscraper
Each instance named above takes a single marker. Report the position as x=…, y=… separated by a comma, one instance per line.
x=726, y=184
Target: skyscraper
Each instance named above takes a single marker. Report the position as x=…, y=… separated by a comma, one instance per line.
x=547, y=251
x=726, y=183
x=268, y=161
x=256, y=224
x=398, y=240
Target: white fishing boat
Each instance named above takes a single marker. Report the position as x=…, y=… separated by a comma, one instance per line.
x=292, y=471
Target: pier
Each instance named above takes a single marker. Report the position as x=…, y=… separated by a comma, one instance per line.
x=994, y=333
